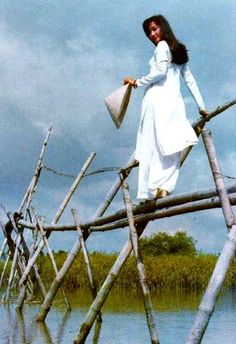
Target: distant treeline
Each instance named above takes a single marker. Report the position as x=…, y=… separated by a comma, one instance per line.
x=171, y=262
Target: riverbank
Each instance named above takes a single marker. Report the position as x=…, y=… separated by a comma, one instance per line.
x=173, y=272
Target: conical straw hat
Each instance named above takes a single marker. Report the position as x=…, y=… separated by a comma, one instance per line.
x=117, y=103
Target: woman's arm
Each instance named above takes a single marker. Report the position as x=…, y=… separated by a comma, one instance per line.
x=158, y=71
x=193, y=88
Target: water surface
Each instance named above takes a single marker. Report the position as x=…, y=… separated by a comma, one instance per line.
x=123, y=320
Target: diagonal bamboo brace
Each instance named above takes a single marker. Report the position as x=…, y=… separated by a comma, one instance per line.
x=211, y=295
x=59, y=213
x=57, y=217
x=44, y=309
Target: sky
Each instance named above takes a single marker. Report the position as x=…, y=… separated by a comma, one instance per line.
x=60, y=59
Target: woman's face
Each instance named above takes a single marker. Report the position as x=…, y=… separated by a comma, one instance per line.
x=154, y=32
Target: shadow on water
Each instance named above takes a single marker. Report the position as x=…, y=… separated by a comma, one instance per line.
x=123, y=319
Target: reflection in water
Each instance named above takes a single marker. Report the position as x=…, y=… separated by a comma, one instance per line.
x=45, y=333
x=62, y=326
x=97, y=330
x=21, y=327
x=123, y=320
x=125, y=301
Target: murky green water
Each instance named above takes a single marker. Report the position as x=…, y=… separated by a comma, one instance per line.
x=124, y=320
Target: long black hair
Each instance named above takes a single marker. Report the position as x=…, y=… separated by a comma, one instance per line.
x=178, y=50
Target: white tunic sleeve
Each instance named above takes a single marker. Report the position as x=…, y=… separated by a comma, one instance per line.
x=192, y=86
x=160, y=66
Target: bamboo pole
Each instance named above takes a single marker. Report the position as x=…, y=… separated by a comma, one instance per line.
x=29, y=193
x=40, y=226
x=28, y=198
x=88, y=266
x=57, y=217
x=31, y=188
x=140, y=266
x=73, y=188
x=22, y=293
x=4, y=269
x=17, y=260
x=203, y=204
x=13, y=225
x=218, y=178
x=114, y=189
x=210, y=297
x=7, y=230
x=138, y=209
x=105, y=289
x=3, y=247
x=75, y=250
x=189, y=207
x=6, y=296
x=20, y=258
x=200, y=123
x=85, y=254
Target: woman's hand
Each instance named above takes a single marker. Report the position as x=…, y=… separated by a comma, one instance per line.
x=131, y=81
x=204, y=113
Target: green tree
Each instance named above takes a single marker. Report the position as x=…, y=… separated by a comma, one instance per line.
x=163, y=243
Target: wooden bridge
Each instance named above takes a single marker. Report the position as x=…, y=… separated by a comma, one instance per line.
x=24, y=271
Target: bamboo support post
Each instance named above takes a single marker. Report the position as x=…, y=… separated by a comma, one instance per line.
x=218, y=178
x=6, y=297
x=75, y=250
x=40, y=226
x=16, y=262
x=85, y=254
x=19, y=258
x=57, y=216
x=105, y=289
x=7, y=230
x=140, y=267
x=3, y=247
x=92, y=281
x=30, y=191
x=210, y=297
x=4, y=269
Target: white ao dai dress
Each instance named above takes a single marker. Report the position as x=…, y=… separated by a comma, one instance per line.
x=164, y=130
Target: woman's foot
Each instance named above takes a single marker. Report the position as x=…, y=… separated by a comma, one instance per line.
x=162, y=193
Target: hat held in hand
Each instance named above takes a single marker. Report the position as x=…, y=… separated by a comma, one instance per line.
x=117, y=103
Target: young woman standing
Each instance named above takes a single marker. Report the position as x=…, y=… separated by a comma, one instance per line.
x=164, y=130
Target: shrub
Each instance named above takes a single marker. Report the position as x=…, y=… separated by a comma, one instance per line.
x=163, y=243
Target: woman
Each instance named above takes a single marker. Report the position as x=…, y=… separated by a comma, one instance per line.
x=164, y=130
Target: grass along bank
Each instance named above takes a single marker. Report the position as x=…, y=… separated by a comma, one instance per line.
x=171, y=262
